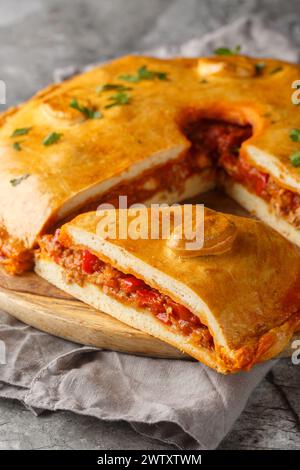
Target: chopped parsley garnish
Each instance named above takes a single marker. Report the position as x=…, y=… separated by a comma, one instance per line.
x=130, y=78
x=87, y=112
x=51, y=138
x=112, y=86
x=144, y=73
x=259, y=67
x=275, y=70
x=17, y=146
x=20, y=131
x=119, y=99
x=16, y=181
x=295, y=135
x=226, y=51
x=295, y=158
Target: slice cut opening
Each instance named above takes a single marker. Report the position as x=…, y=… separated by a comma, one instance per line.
x=220, y=142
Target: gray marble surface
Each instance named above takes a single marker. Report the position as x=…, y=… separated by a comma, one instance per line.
x=39, y=35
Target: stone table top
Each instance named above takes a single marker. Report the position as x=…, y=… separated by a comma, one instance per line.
x=37, y=36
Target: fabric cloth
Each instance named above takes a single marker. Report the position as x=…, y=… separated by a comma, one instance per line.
x=176, y=401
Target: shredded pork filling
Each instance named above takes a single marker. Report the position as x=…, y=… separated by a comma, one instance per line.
x=81, y=266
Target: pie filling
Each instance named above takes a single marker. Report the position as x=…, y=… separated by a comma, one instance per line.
x=214, y=147
x=13, y=255
x=81, y=266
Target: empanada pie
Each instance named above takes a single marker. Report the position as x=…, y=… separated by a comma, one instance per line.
x=155, y=131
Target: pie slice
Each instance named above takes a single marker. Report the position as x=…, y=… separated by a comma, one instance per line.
x=230, y=303
x=154, y=131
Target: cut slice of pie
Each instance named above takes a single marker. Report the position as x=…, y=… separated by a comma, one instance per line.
x=230, y=303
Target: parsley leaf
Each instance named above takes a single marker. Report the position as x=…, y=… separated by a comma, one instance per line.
x=17, y=146
x=144, y=73
x=112, y=86
x=295, y=135
x=88, y=112
x=16, y=181
x=226, y=51
x=20, y=131
x=275, y=70
x=51, y=138
x=119, y=99
x=295, y=158
x=259, y=67
x=130, y=78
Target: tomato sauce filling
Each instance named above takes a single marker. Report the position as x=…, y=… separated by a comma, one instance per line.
x=80, y=266
x=283, y=201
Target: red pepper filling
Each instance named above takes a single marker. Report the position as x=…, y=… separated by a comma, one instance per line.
x=82, y=265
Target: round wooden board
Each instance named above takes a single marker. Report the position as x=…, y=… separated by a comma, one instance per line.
x=35, y=302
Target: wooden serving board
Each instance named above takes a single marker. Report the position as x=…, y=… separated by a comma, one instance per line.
x=35, y=302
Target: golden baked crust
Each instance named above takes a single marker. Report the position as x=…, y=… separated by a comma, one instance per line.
x=249, y=296
x=58, y=178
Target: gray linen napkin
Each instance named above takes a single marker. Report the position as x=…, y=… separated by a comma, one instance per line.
x=178, y=402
